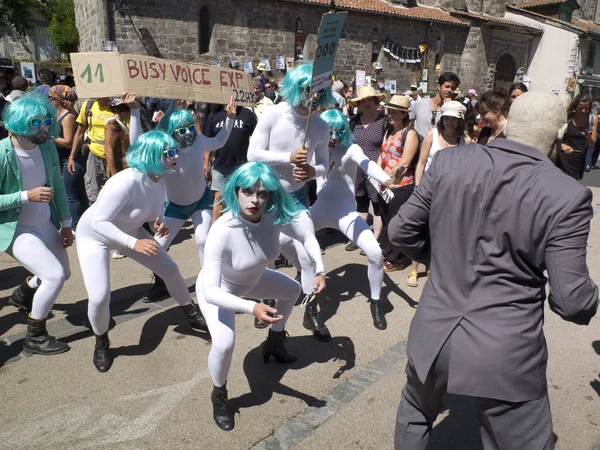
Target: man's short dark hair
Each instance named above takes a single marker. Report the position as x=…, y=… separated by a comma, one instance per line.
x=20, y=83
x=46, y=76
x=448, y=77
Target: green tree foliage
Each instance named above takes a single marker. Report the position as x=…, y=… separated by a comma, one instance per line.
x=16, y=14
x=61, y=16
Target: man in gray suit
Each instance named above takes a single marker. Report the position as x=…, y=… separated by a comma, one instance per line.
x=490, y=220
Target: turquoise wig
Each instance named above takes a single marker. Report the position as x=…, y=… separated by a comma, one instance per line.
x=146, y=155
x=338, y=121
x=247, y=176
x=298, y=78
x=175, y=119
x=17, y=115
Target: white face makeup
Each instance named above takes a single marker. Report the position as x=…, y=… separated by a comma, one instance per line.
x=169, y=159
x=334, y=137
x=185, y=136
x=253, y=202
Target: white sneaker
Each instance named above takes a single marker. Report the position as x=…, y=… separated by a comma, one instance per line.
x=117, y=255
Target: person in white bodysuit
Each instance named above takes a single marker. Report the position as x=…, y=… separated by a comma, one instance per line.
x=240, y=246
x=35, y=224
x=277, y=141
x=130, y=199
x=336, y=204
x=187, y=193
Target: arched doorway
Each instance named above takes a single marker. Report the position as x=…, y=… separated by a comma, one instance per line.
x=505, y=71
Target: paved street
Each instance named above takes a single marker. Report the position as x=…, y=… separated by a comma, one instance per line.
x=338, y=395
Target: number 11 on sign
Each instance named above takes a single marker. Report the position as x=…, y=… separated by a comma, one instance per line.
x=98, y=74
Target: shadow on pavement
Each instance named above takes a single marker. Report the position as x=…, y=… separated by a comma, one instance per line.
x=265, y=379
x=350, y=280
x=595, y=384
x=11, y=278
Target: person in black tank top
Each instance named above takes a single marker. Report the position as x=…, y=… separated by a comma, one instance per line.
x=580, y=135
x=62, y=97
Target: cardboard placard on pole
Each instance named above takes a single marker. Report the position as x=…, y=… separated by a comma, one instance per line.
x=107, y=74
x=327, y=44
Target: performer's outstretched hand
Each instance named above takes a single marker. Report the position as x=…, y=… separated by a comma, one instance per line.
x=319, y=284
x=148, y=247
x=66, y=237
x=260, y=312
x=161, y=228
x=231, y=108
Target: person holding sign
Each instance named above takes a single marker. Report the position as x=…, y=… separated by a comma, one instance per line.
x=33, y=206
x=241, y=244
x=336, y=204
x=281, y=141
x=130, y=199
x=187, y=193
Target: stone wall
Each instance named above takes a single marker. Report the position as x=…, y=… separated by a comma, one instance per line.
x=18, y=47
x=90, y=16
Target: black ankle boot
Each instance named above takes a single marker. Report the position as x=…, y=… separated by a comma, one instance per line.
x=378, y=316
x=102, y=359
x=257, y=323
x=37, y=339
x=223, y=417
x=22, y=297
x=158, y=291
x=313, y=322
x=195, y=317
x=275, y=346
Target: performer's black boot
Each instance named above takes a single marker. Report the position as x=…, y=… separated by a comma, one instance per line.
x=37, y=339
x=313, y=322
x=102, y=359
x=275, y=346
x=22, y=297
x=221, y=413
x=158, y=291
x=378, y=315
x=195, y=317
x=257, y=323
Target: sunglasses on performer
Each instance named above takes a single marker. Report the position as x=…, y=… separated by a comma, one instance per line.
x=306, y=90
x=183, y=130
x=171, y=152
x=36, y=123
x=433, y=117
x=338, y=133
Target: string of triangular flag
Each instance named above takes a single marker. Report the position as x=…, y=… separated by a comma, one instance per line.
x=409, y=55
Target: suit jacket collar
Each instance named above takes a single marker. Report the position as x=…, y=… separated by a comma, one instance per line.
x=516, y=147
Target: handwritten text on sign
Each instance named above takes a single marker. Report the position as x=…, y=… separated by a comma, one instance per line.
x=109, y=74
x=327, y=44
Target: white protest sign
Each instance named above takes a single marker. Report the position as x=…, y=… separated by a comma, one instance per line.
x=106, y=74
x=327, y=44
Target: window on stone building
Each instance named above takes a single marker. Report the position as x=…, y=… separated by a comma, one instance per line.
x=204, y=30
x=591, y=59
x=565, y=12
x=375, y=51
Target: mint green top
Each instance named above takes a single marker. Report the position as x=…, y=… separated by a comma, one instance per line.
x=11, y=187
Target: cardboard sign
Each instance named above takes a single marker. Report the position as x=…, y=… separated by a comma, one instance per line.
x=327, y=44
x=107, y=74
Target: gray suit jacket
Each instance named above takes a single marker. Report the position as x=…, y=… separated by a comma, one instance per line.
x=491, y=219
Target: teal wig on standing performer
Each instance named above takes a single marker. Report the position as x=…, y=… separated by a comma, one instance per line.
x=17, y=115
x=294, y=83
x=338, y=122
x=246, y=177
x=174, y=119
x=147, y=153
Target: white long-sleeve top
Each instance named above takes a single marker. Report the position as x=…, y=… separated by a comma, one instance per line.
x=186, y=184
x=338, y=183
x=128, y=200
x=279, y=132
x=237, y=253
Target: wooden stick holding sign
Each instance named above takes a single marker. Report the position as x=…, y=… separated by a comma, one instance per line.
x=107, y=74
x=330, y=30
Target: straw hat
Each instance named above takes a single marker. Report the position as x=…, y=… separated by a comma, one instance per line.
x=261, y=67
x=399, y=103
x=366, y=92
x=453, y=109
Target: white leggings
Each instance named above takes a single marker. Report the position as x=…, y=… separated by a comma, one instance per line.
x=202, y=220
x=300, y=260
x=40, y=251
x=221, y=322
x=94, y=258
x=347, y=220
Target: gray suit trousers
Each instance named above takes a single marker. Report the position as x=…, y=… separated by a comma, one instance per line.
x=503, y=425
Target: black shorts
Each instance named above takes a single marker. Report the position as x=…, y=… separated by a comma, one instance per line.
x=362, y=205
